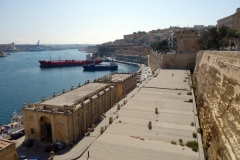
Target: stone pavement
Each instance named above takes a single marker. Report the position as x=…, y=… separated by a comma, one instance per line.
x=129, y=137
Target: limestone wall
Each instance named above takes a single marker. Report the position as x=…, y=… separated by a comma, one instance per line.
x=178, y=61
x=154, y=60
x=217, y=81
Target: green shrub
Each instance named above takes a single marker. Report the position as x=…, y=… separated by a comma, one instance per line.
x=184, y=81
x=180, y=141
x=189, y=93
x=195, y=148
x=193, y=87
x=190, y=101
x=173, y=142
x=194, y=134
x=193, y=145
x=192, y=123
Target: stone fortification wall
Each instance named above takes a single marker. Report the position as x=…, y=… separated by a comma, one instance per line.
x=217, y=81
x=154, y=60
x=178, y=61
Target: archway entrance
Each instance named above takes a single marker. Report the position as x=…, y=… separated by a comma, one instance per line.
x=46, y=129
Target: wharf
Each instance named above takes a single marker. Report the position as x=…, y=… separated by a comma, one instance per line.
x=124, y=62
x=129, y=137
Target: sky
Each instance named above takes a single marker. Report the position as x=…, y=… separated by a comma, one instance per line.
x=99, y=21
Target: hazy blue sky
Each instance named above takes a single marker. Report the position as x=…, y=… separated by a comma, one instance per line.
x=99, y=21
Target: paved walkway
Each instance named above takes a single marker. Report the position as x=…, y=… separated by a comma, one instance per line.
x=83, y=145
x=130, y=138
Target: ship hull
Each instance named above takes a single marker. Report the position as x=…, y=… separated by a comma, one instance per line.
x=99, y=68
x=66, y=63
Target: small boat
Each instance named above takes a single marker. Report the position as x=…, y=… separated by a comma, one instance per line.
x=2, y=54
x=105, y=59
x=94, y=67
x=15, y=129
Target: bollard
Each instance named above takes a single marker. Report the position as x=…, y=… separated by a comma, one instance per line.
x=150, y=124
x=118, y=106
x=156, y=110
x=89, y=130
x=51, y=155
x=110, y=120
x=102, y=130
x=92, y=129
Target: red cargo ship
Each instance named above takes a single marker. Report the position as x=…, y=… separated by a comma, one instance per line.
x=67, y=63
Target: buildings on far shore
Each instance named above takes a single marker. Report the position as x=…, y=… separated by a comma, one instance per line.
x=8, y=47
x=68, y=116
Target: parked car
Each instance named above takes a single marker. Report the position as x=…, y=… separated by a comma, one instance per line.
x=27, y=143
x=59, y=145
x=22, y=157
x=238, y=49
x=51, y=148
x=34, y=159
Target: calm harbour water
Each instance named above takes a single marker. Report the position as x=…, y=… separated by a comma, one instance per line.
x=22, y=80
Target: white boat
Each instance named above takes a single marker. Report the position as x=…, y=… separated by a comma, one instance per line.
x=15, y=129
x=2, y=54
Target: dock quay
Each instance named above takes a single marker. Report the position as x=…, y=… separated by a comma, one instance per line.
x=129, y=63
x=149, y=120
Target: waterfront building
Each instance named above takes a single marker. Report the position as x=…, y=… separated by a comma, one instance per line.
x=109, y=49
x=7, y=150
x=132, y=58
x=68, y=116
x=232, y=21
x=136, y=54
x=125, y=82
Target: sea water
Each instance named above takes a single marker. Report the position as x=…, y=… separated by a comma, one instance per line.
x=22, y=80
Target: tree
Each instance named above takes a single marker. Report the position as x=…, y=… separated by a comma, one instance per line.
x=215, y=39
x=222, y=33
x=224, y=43
x=233, y=36
x=160, y=46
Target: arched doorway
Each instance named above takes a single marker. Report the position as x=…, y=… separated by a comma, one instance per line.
x=46, y=129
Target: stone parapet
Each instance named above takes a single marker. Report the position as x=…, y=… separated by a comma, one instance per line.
x=216, y=79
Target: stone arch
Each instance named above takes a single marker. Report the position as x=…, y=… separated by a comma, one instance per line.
x=46, y=129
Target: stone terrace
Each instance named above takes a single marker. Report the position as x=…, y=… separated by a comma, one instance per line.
x=129, y=137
